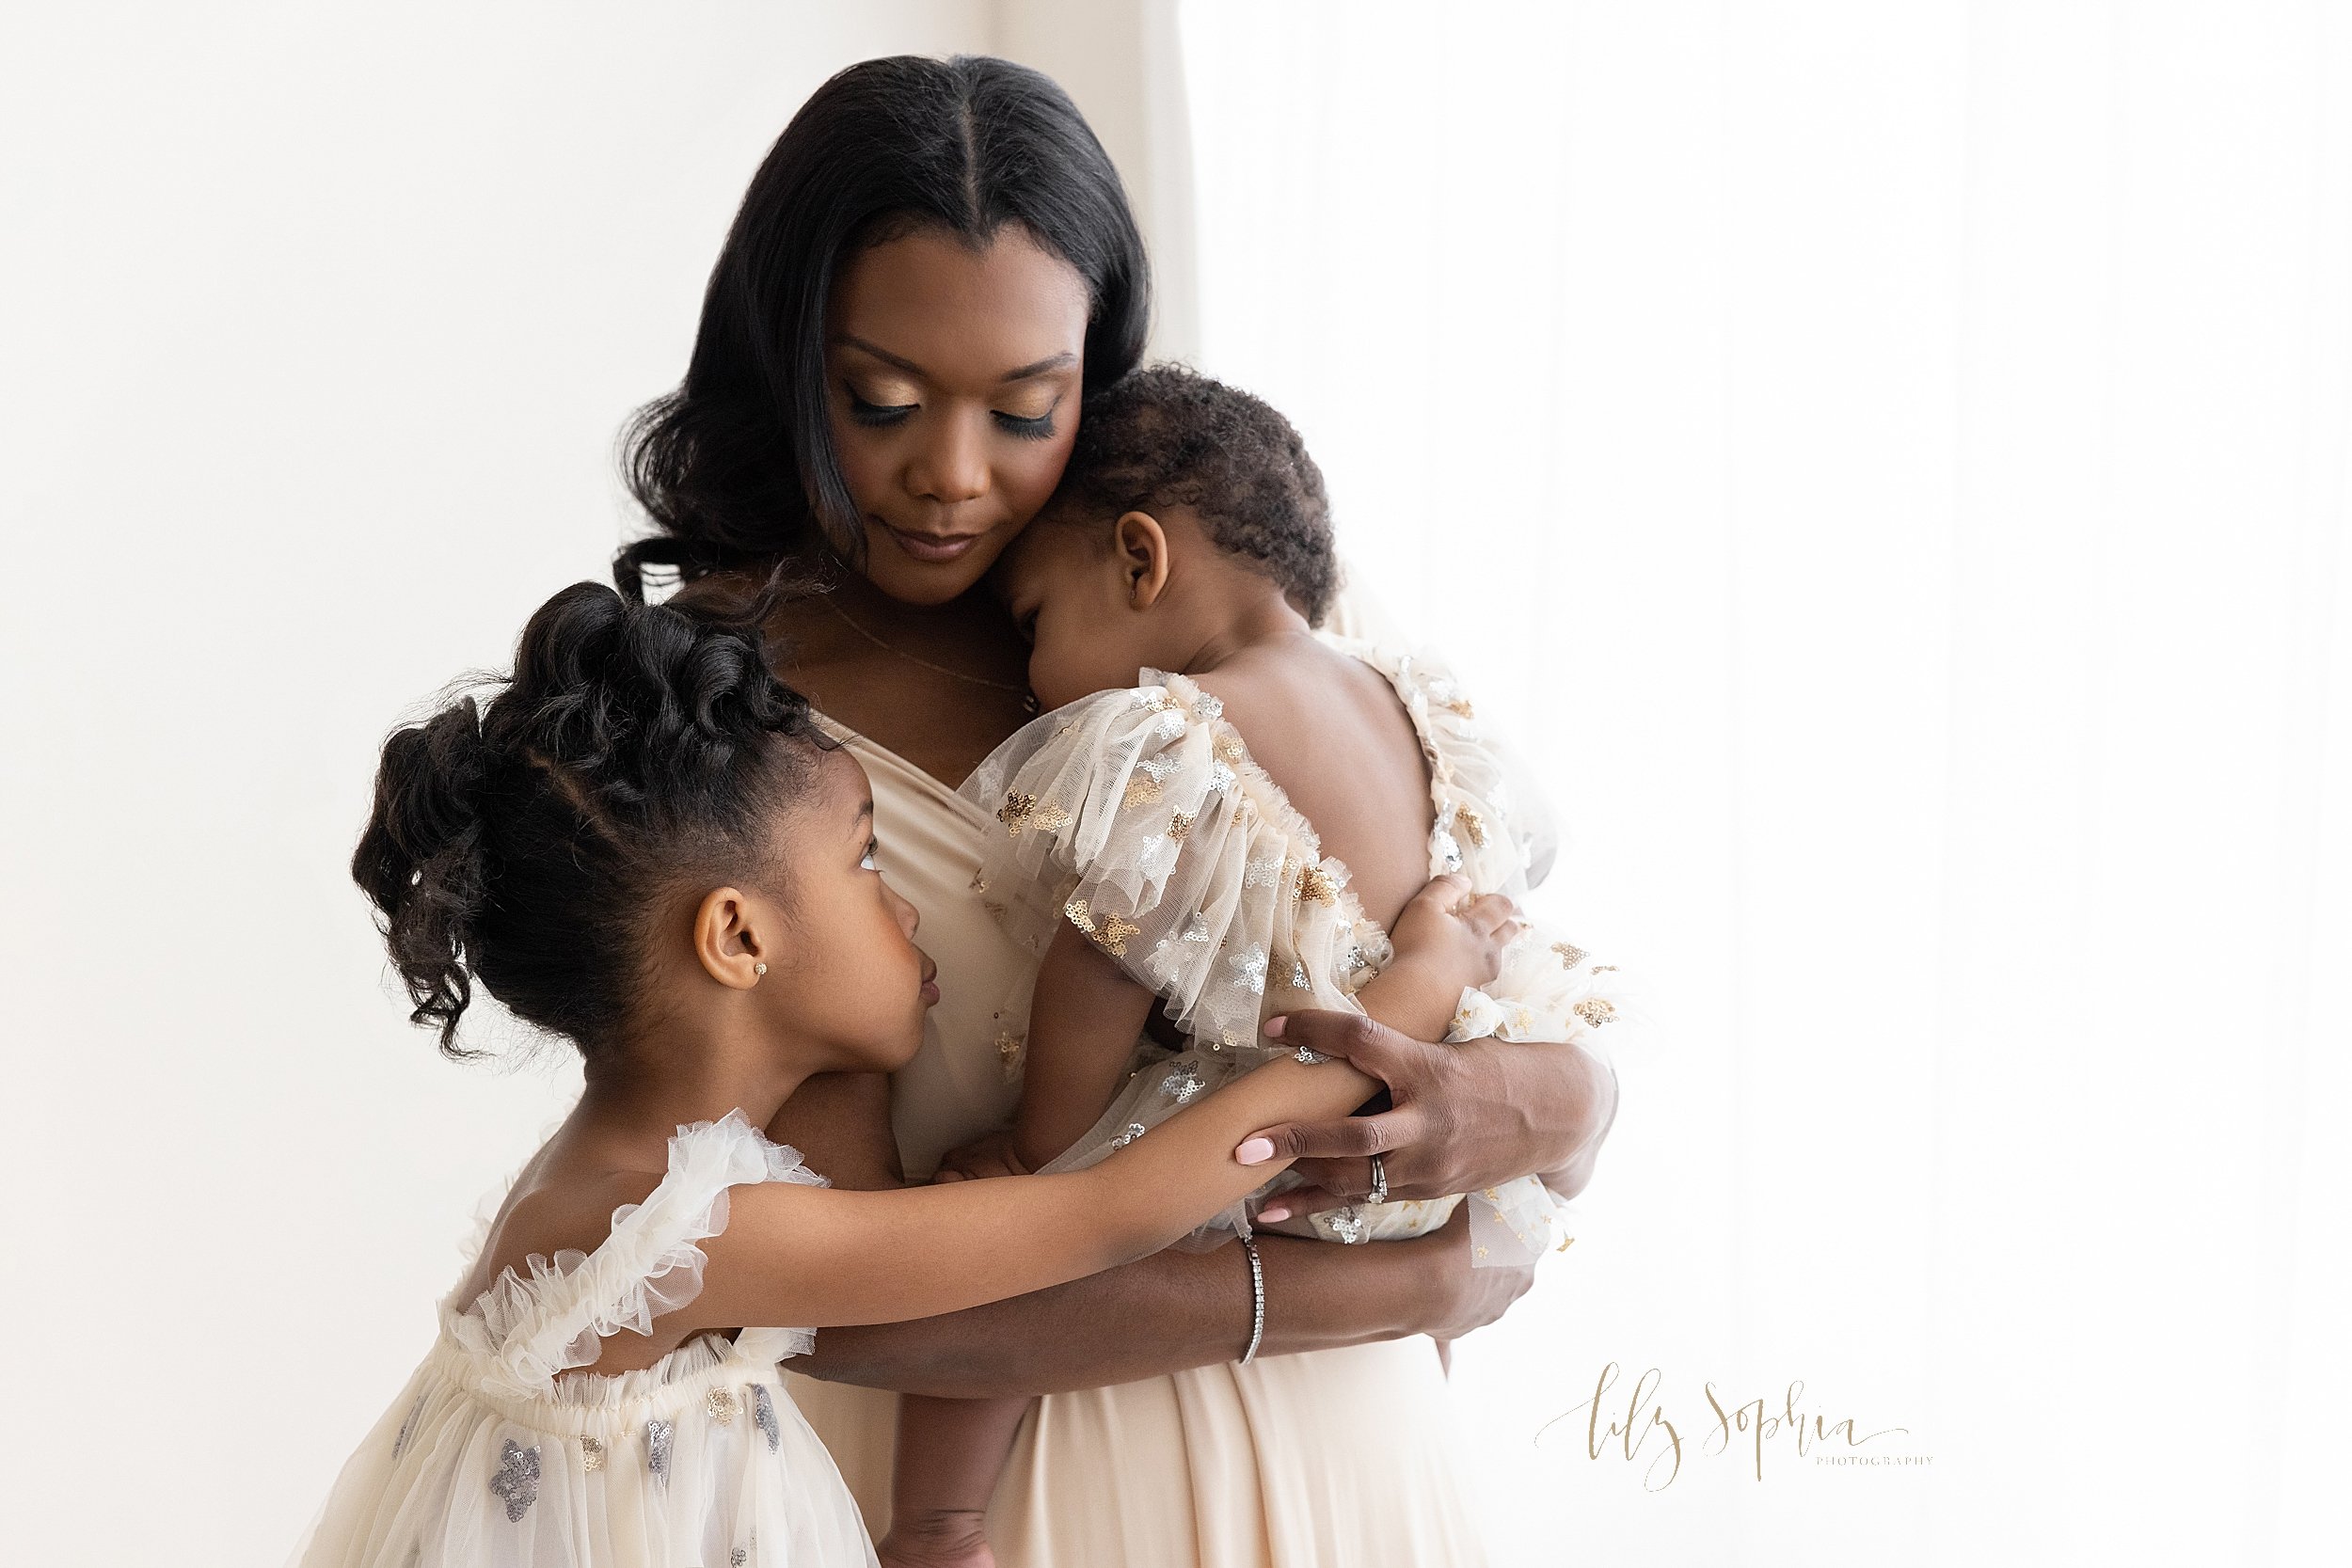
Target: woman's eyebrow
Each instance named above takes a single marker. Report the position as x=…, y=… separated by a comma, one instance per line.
x=1051, y=362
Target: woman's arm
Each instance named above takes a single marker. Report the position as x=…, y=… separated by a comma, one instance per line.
x=1176, y=1310
x=819, y=1255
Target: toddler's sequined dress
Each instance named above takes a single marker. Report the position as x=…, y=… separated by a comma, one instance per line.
x=1139, y=817
x=488, y=1458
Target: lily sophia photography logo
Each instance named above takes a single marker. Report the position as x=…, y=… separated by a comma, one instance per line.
x=1633, y=1423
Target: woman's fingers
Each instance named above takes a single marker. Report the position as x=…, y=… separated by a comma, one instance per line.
x=1365, y=1045
x=1353, y=1138
x=1474, y=1296
x=1333, y=1155
x=1299, y=1200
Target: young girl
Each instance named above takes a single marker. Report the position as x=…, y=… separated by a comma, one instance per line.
x=643, y=842
x=1229, y=839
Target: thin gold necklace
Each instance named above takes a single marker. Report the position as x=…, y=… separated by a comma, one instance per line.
x=1029, y=698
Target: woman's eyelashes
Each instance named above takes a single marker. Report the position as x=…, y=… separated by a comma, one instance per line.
x=879, y=415
x=882, y=416
x=871, y=859
x=1029, y=428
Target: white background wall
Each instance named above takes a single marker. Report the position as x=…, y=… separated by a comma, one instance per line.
x=1888, y=463
x=319, y=325
x=1989, y=870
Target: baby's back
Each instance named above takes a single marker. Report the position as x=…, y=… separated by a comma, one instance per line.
x=1329, y=730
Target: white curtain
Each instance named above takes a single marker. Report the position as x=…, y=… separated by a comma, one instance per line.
x=1888, y=465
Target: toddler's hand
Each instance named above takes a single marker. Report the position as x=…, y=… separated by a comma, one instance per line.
x=950, y=1538
x=991, y=1154
x=1452, y=936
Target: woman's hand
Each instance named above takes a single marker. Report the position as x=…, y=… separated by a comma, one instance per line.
x=1466, y=1297
x=1462, y=1117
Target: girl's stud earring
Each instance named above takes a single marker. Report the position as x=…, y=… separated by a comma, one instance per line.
x=759, y=969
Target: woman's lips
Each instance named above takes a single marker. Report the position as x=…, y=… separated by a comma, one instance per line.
x=931, y=981
x=931, y=546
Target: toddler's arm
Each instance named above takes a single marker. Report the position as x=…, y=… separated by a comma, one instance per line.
x=1446, y=939
x=1085, y=1016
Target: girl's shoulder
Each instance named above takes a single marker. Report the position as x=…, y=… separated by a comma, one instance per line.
x=550, y=1311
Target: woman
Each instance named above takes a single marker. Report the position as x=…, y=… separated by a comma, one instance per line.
x=930, y=270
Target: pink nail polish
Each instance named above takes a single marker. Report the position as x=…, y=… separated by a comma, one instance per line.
x=1275, y=1213
x=1254, y=1151
x=1274, y=1027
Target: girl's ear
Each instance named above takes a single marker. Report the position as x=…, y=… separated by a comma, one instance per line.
x=731, y=939
x=1142, y=548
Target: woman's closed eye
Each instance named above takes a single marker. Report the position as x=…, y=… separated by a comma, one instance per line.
x=1028, y=427
x=879, y=414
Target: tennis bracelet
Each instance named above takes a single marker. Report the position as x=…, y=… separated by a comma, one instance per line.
x=1257, y=1301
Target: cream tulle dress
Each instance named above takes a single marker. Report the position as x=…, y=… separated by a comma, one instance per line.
x=1329, y=1457
x=1140, y=818
x=489, y=1459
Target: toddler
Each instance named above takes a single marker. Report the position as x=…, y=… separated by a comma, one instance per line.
x=1225, y=817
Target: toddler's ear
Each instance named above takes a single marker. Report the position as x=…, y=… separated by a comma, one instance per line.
x=1142, y=546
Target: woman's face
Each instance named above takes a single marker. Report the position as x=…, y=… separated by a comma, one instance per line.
x=952, y=387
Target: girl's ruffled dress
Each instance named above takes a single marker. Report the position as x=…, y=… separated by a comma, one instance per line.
x=1139, y=817
x=488, y=1458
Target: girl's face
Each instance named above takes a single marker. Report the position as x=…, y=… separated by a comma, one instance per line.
x=850, y=980
x=952, y=385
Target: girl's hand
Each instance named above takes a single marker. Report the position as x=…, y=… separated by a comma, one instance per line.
x=1464, y=1116
x=1449, y=937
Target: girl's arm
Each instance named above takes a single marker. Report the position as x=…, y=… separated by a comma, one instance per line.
x=814, y=1256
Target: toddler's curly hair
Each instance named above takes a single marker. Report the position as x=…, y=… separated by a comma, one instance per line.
x=1166, y=436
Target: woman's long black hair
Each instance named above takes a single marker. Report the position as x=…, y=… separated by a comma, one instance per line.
x=737, y=465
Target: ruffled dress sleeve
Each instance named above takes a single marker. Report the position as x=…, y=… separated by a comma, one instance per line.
x=1138, y=817
x=526, y=1328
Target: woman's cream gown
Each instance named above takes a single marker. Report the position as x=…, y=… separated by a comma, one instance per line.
x=1337, y=1457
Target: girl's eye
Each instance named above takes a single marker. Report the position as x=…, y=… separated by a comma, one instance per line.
x=1036, y=429
x=877, y=414
x=871, y=859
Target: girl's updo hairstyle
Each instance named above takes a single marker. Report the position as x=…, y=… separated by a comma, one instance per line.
x=636, y=752
x=737, y=465
x=1170, y=436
